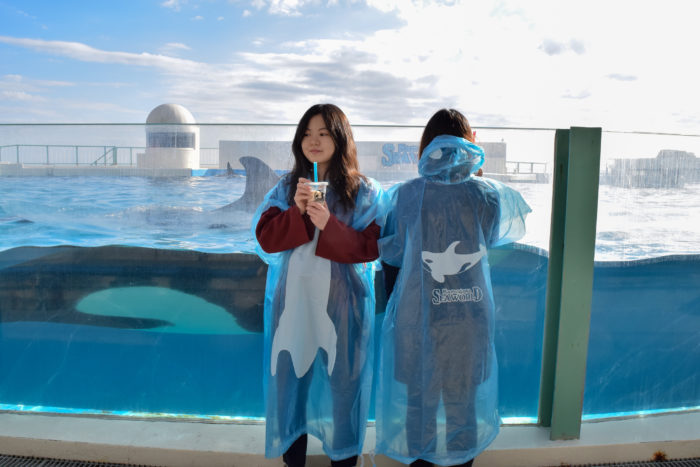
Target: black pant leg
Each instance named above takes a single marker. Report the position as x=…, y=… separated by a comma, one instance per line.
x=423, y=463
x=349, y=462
x=296, y=454
x=421, y=416
x=292, y=396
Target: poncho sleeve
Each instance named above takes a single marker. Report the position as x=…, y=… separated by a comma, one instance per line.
x=343, y=244
x=508, y=222
x=276, y=197
x=368, y=218
x=279, y=230
x=371, y=205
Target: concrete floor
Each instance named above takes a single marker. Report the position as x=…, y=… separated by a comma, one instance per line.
x=175, y=443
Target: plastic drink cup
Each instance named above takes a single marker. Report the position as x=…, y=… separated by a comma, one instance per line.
x=318, y=190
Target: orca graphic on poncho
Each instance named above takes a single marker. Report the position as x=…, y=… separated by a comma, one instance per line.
x=304, y=325
x=449, y=262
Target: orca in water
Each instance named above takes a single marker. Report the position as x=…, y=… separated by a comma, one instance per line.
x=65, y=284
x=260, y=179
x=62, y=276
x=14, y=220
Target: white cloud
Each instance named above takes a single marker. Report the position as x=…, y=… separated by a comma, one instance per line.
x=13, y=78
x=79, y=51
x=172, y=48
x=551, y=47
x=577, y=46
x=19, y=82
x=622, y=77
x=21, y=96
x=173, y=4
x=31, y=94
x=540, y=63
x=488, y=59
x=285, y=7
x=25, y=14
x=576, y=95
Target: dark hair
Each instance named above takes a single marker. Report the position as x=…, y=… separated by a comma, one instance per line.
x=445, y=122
x=343, y=171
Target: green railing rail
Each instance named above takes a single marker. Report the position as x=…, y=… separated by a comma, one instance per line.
x=79, y=155
x=103, y=157
x=66, y=154
x=569, y=280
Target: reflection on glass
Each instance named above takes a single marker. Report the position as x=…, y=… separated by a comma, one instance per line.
x=643, y=353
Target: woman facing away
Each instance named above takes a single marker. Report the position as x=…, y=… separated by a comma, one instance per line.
x=319, y=296
x=437, y=341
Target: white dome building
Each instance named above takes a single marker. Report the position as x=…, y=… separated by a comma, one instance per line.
x=172, y=139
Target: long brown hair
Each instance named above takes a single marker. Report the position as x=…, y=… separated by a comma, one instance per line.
x=445, y=122
x=344, y=169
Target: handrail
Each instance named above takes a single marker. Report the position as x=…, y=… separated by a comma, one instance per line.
x=72, y=154
x=514, y=167
x=113, y=150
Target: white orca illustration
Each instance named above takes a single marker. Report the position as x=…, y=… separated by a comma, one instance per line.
x=449, y=262
x=304, y=325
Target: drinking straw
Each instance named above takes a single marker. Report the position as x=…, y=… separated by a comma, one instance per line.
x=315, y=172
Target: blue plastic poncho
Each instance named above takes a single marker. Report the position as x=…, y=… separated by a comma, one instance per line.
x=437, y=391
x=319, y=322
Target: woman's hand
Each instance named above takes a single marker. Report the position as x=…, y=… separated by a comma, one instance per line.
x=319, y=214
x=303, y=194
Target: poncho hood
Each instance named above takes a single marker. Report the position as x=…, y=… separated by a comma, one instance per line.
x=450, y=159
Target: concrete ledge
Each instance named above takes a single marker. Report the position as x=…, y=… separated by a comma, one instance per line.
x=182, y=443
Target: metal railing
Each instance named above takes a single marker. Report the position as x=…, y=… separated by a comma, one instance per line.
x=82, y=155
x=522, y=167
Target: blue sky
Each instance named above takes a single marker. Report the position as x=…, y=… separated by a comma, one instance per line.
x=621, y=65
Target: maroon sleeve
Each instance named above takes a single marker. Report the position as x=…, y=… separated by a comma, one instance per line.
x=343, y=244
x=279, y=230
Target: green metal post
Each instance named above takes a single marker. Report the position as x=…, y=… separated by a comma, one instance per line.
x=47, y=155
x=77, y=160
x=554, y=274
x=580, y=214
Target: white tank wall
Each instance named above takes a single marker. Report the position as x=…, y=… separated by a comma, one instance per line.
x=168, y=158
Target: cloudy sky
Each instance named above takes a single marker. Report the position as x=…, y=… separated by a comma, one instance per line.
x=622, y=65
